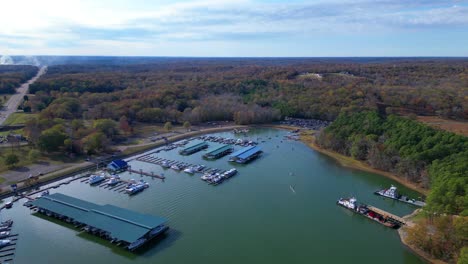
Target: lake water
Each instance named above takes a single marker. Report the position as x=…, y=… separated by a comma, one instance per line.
x=253, y=217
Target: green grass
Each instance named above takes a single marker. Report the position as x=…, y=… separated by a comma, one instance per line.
x=15, y=131
x=18, y=118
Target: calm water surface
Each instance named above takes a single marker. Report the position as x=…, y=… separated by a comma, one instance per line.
x=254, y=217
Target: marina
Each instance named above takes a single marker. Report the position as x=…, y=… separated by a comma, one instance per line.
x=299, y=195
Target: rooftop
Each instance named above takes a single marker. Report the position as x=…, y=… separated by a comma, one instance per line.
x=241, y=151
x=249, y=152
x=219, y=150
x=190, y=148
x=121, y=223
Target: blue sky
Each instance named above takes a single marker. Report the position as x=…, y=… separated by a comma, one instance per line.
x=271, y=28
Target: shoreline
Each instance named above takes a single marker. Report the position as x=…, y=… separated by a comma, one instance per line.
x=402, y=233
x=349, y=162
x=309, y=140
x=127, y=152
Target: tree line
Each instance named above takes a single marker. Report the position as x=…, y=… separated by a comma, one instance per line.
x=12, y=76
x=435, y=159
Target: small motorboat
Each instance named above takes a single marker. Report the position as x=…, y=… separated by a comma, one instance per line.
x=4, y=242
x=8, y=204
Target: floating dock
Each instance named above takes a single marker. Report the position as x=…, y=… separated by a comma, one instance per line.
x=194, y=148
x=116, y=224
x=246, y=154
x=219, y=152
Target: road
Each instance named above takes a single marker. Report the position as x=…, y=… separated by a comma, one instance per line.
x=12, y=105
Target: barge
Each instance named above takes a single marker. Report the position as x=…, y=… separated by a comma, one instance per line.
x=392, y=193
x=370, y=212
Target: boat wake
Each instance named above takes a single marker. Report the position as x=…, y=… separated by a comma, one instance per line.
x=292, y=188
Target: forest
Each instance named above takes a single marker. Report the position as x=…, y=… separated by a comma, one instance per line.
x=246, y=91
x=435, y=159
x=12, y=76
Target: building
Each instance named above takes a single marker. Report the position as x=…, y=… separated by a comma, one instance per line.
x=117, y=165
x=132, y=229
x=194, y=148
x=246, y=154
x=219, y=152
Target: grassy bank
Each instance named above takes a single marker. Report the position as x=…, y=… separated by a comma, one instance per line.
x=309, y=139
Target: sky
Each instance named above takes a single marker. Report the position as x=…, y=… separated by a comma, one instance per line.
x=234, y=28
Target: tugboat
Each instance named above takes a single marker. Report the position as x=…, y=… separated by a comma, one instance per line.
x=95, y=179
x=392, y=193
x=364, y=210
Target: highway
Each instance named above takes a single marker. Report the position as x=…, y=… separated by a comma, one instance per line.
x=12, y=105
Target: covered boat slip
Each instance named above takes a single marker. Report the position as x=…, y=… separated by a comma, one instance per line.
x=117, y=224
x=194, y=148
x=219, y=152
x=246, y=154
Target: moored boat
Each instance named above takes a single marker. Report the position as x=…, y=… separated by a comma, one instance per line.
x=113, y=180
x=4, y=242
x=8, y=204
x=165, y=164
x=189, y=170
x=392, y=193
x=95, y=179
x=229, y=173
x=4, y=234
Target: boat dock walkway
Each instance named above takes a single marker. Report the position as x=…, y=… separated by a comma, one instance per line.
x=159, y=161
x=7, y=252
x=387, y=214
x=30, y=195
x=119, y=187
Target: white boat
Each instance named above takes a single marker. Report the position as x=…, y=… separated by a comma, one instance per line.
x=229, y=173
x=176, y=167
x=8, y=204
x=165, y=164
x=95, y=179
x=348, y=203
x=189, y=170
x=392, y=193
x=4, y=234
x=4, y=242
x=113, y=181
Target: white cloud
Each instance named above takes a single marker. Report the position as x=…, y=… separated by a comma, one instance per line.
x=76, y=26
